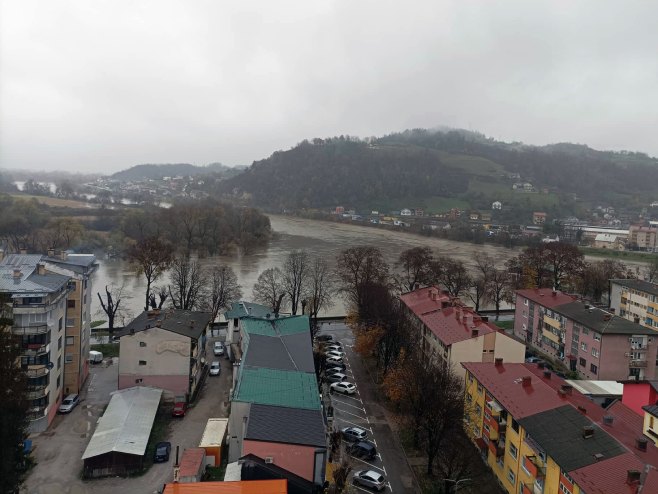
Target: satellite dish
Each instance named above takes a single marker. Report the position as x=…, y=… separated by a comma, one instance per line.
x=50, y=365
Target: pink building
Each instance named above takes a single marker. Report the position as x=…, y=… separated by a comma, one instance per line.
x=591, y=341
x=638, y=394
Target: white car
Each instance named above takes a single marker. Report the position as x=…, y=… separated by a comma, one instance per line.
x=215, y=368
x=218, y=348
x=69, y=403
x=335, y=354
x=331, y=361
x=344, y=387
x=369, y=478
x=334, y=348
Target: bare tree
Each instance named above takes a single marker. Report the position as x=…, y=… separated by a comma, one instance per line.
x=452, y=275
x=416, y=267
x=111, y=305
x=188, y=282
x=319, y=290
x=295, y=274
x=651, y=271
x=359, y=269
x=152, y=257
x=497, y=288
x=270, y=290
x=162, y=295
x=224, y=289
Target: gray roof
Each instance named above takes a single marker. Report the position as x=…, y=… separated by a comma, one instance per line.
x=286, y=425
x=641, y=285
x=30, y=282
x=126, y=425
x=188, y=323
x=559, y=432
x=244, y=309
x=652, y=409
x=78, y=263
x=599, y=320
x=291, y=352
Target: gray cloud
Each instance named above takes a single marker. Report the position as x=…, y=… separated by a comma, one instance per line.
x=107, y=84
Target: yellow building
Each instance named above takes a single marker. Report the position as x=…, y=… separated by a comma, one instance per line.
x=635, y=300
x=540, y=436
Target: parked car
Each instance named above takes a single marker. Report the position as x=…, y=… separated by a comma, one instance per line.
x=180, y=408
x=334, y=362
x=354, y=434
x=215, y=368
x=336, y=377
x=335, y=354
x=369, y=478
x=162, y=451
x=324, y=337
x=344, y=387
x=69, y=403
x=334, y=348
x=335, y=368
x=218, y=348
x=363, y=449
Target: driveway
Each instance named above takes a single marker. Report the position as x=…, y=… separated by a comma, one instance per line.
x=58, y=451
x=363, y=410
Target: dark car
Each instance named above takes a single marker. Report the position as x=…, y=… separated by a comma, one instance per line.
x=363, y=449
x=162, y=451
x=180, y=407
x=324, y=337
x=340, y=366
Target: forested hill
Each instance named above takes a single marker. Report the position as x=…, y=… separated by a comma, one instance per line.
x=156, y=172
x=420, y=167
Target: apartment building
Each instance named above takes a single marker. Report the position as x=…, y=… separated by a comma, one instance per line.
x=635, y=300
x=539, y=435
x=164, y=349
x=39, y=305
x=643, y=237
x=595, y=343
x=453, y=333
x=79, y=268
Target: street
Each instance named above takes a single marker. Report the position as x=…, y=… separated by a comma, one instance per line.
x=363, y=410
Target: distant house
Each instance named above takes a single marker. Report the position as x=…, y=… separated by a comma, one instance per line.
x=496, y=205
x=419, y=212
x=164, y=349
x=405, y=212
x=608, y=241
x=339, y=210
x=538, y=218
x=474, y=215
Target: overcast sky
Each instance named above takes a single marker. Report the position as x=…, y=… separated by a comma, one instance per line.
x=103, y=85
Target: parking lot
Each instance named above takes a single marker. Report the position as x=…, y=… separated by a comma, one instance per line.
x=363, y=410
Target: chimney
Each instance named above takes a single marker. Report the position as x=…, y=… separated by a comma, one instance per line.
x=498, y=361
x=586, y=306
x=416, y=286
x=429, y=292
x=23, y=251
x=468, y=318
x=554, y=293
x=51, y=252
x=588, y=431
x=608, y=419
x=641, y=443
x=607, y=317
x=632, y=477
x=598, y=456
x=41, y=269
x=433, y=294
x=567, y=388
x=458, y=313
x=2, y=254
x=484, y=318
x=526, y=381
x=474, y=333
x=63, y=255
x=547, y=374
x=582, y=409
x=17, y=274
x=540, y=365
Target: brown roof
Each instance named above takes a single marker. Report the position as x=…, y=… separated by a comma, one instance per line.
x=421, y=301
x=191, y=461
x=546, y=296
x=455, y=324
x=608, y=476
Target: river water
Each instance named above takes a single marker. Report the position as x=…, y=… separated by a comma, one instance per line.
x=317, y=237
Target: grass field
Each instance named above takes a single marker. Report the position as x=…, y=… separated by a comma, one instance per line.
x=56, y=201
x=621, y=255
x=472, y=164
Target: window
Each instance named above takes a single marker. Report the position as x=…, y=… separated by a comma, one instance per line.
x=583, y=347
x=525, y=301
x=61, y=320
x=142, y=344
x=142, y=362
x=515, y=426
x=478, y=410
x=510, y=476
x=513, y=451
x=480, y=389
x=650, y=421
x=583, y=362
x=59, y=343
x=470, y=378
x=58, y=381
x=593, y=368
x=59, y=362
x=70, y=340
x=139, y=381
x=70, y=321
x=68, y=358
x=564, y=489
x=595, y=352
x=70, y=304
x=597, y=337
x=486, y=427
x=585, y=330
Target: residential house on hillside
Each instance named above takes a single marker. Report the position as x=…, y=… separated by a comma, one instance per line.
x=276, y=384
x=593, y=342
x=79, y=268
x=405, y=212
x=538, y=218
x=540, y=435
x=635, y=300
x=164, y=349
x=497, y=205
x=38, y=309
x=453, y=333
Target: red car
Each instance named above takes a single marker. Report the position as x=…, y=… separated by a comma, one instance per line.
x=180, y=407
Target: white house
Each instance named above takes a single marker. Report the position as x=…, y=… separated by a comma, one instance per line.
x=496, y=205
x=405, y=212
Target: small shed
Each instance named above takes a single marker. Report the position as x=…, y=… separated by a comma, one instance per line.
x=192, y=465
x=213, y=440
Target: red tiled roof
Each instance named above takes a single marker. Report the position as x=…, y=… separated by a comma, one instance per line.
x=626, y=428
x=608, y=476
x=448, y=328
x=545, y=297
x=190, y=462
x=651, y=482
x=420, y=301
x=504, y=383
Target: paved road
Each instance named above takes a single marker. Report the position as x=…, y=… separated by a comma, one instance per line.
x=58, y=451
x=363, y=410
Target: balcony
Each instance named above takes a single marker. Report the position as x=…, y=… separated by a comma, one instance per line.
x=532, y=488
x=36, y=413
x=535, y=466
x=637, y=363
x=28, y=330
x=36, y=371
x=496, y=449
x=37, y=392
x=35, y=349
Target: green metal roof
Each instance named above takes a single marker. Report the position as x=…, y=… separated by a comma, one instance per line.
x=276, y=327
x=293, y=389
x=245, y=309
